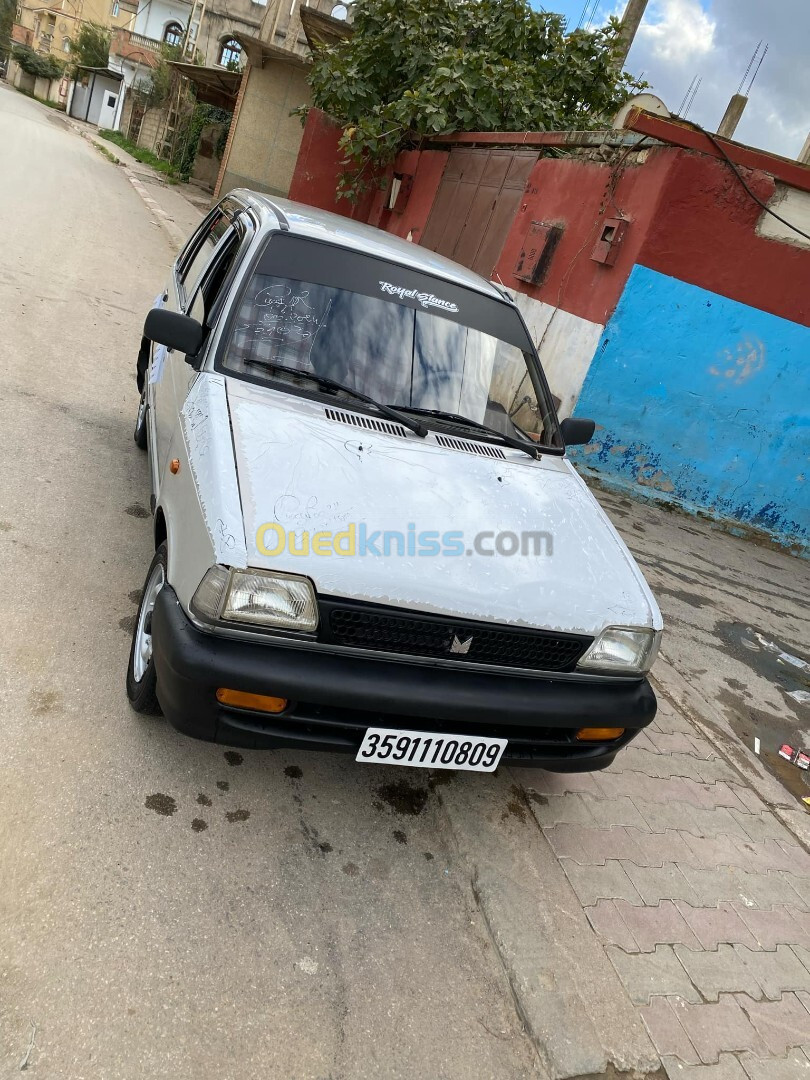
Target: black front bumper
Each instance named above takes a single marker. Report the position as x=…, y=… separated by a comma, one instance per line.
x=334, y=698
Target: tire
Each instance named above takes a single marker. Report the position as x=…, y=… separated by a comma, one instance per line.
x=141, y=674
x=140, y=423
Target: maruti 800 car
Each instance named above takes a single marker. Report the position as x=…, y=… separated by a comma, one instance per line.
x=368, y=536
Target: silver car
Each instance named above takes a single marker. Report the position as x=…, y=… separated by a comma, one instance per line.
x=368, y=536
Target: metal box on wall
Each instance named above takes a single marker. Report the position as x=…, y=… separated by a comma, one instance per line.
x=538, y=250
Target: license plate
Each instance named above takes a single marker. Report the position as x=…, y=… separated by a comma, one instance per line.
x=430, y=750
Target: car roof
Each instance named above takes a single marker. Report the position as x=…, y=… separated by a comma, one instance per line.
x=315, y=224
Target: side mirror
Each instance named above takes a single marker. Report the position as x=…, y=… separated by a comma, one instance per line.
x=173, y=330
x=577, y=431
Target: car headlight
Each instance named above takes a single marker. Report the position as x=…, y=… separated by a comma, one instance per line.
x=257, y=597
x=622, y=650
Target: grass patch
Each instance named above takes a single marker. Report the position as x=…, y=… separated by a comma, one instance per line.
x=146, y=157
x=108, y=154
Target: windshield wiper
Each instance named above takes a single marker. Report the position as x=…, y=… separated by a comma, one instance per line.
x=330, y=384
x=464, y=421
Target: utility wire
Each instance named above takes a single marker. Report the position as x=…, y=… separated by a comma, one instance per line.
x=718, y=146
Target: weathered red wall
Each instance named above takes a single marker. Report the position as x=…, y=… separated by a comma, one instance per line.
x=426, y=167
x=571, y=192
x=688, y=215
x=704, y=233
x=690, y=218
x=318, y=166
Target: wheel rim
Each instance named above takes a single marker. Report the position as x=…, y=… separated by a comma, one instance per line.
x=142, y=648
x=141, y=411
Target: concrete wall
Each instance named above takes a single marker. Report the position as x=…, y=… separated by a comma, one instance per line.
x=703, y=400
x=266, y=138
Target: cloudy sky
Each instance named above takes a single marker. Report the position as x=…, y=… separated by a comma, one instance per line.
x=715, y=39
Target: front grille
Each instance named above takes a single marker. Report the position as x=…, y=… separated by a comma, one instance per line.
x=366, y=626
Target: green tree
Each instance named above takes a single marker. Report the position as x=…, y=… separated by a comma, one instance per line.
x=91, y=46
x=33, y=63
x=6, y=20
x=414, y=68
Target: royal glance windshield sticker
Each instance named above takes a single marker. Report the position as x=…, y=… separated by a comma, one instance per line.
x=425, y=299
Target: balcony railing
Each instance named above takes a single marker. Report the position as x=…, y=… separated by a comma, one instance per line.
x=144, y=42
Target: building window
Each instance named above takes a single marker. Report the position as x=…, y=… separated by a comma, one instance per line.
x=66, y=45
x=230, y=53
x=173, y=34
x=115, y=9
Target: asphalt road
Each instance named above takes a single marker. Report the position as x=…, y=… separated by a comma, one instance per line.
x=167, y=909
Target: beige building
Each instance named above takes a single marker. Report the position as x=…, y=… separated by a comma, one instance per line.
x=264, y=140
x=52, y=27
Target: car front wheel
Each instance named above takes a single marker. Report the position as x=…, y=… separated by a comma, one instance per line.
x=141, y=674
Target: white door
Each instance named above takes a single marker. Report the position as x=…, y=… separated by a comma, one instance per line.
x=106, y=118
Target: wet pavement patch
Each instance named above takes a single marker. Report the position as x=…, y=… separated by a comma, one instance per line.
x=134, y=596
x=428, y=855
x=237, y=815
x=689, y=598
x=326, y=847
x=789, y=671
x=198, y=825
x=403, y=798
x=203, y=800
x=223, y=785
x=128, y=623
x=400, y=836
x=43, y=701
x=161, y=804
x=351, y=869
x=516, y=806
x=771, y=659
x=233, y=758
x=293, y=772
x=137, y=511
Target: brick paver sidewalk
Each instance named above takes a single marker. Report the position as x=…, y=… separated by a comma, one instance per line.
x=701, y=897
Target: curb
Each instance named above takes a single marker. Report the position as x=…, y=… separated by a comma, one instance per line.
x=573, y=1008
x=176, y=238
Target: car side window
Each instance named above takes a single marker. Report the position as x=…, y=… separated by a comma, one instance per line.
x=212, y=281
x=192, y=270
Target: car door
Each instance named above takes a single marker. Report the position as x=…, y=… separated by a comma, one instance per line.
x=170, y=375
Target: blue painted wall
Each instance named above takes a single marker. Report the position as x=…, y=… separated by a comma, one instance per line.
x=705, y=402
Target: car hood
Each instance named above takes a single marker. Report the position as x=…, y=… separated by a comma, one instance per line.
x=304, y=471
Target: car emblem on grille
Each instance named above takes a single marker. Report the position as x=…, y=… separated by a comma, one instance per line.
x=459, y=646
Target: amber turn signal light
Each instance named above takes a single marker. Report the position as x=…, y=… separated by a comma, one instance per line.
x=599, y=734
x=257, y=702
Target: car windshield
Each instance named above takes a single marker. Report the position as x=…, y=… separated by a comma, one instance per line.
x=397, y=341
